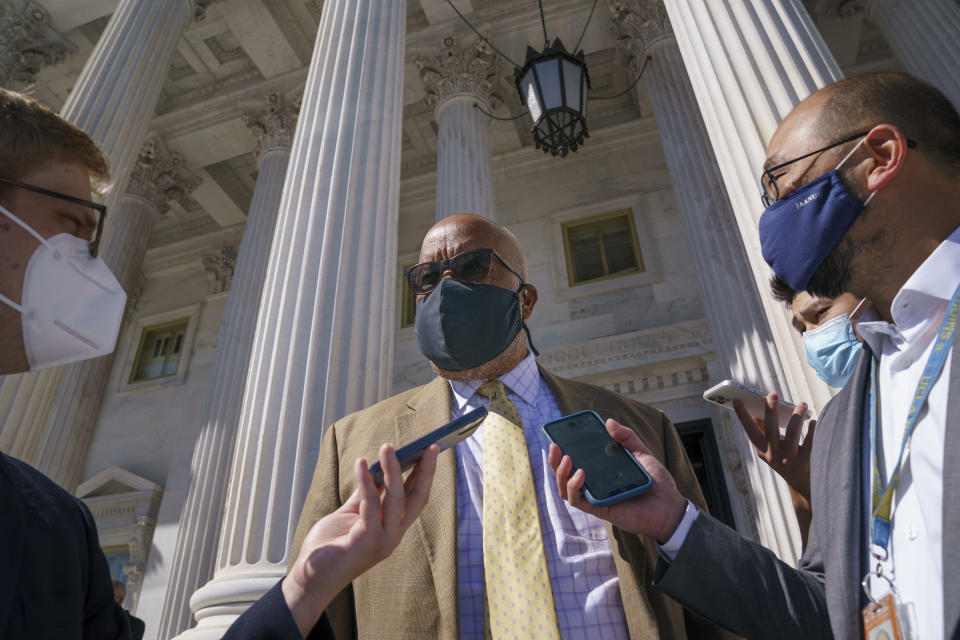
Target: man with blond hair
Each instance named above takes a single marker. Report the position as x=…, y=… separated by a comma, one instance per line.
x=60, y=303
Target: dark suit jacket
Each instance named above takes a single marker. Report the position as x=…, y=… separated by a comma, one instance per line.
x=413, y=593
x=54, y=580
x=270, y=619
x=743, y=586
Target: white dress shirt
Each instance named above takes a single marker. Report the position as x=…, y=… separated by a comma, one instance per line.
x=916, y=539
x=586, y=589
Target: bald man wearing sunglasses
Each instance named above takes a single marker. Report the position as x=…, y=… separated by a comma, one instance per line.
x=473, y=302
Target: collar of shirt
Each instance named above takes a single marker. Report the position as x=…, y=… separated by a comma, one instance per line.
x=919, y=301
x=522, y=381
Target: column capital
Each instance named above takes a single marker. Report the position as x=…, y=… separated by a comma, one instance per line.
x=836, y=9
x=28, y=43
x=471, y=70
x=218, y=267
x=161, y=177
x=274, y=125
x=636, y=26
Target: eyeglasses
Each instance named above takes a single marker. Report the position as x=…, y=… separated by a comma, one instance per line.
x=470, y=266
x=101, y=210
x=768, y=181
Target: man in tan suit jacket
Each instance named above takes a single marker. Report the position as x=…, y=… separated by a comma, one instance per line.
x=414, y=592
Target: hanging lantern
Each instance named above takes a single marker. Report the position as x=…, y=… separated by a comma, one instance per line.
x=553, y=84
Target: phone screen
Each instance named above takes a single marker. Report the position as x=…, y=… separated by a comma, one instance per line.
x=610, y=468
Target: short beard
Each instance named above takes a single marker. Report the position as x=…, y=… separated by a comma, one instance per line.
x=833, y=275
x=503, y=363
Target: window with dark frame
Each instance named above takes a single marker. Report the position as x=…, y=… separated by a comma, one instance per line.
x=601, y=247
x=158, y=355
x=700, y=444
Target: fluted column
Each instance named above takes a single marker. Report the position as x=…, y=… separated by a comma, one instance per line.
x=749, y=63
x=457, y=82
x=925, y=36
x=28, y=43
x=113, y=101
x=323, y=343
x=195, y=553
x=62, y=403
x=741, y=333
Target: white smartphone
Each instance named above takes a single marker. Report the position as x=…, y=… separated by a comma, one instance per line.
x=727, y=391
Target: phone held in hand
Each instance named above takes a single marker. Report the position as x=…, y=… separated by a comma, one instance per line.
x=445, y=437
x=612, y=473
x=727, y=391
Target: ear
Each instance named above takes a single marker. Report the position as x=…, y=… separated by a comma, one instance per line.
x=528, y=298
x=887, y=147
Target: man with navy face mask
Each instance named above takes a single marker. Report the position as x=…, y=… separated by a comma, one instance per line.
x=862, y=195
x=497, y=550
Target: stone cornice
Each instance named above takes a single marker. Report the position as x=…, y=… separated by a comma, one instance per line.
x=629, y=349
x=177, y=255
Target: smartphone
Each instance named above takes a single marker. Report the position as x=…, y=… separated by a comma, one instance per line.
x=613, y=474
x=727, y=391
x=446, y=436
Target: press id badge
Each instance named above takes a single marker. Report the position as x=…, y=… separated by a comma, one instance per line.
x=888, y=619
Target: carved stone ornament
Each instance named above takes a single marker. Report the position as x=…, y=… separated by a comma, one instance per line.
x=218, y=268
x=275, y=125
x=160, y=176
x=27, y=42
x=636, y=24
x=200, y=9
x=472, y=70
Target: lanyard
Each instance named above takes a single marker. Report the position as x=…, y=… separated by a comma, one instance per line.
x=882, y=503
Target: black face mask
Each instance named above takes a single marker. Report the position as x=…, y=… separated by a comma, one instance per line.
x=462, y=325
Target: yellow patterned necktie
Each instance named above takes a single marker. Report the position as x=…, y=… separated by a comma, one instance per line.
x=518, y=591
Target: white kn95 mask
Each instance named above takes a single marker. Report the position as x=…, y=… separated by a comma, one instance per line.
x=71, y=304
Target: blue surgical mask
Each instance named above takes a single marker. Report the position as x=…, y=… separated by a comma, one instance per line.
x=800, y=230
x=833, y=350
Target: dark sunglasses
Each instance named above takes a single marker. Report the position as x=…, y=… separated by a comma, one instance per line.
x=101, y=210
x=470, y=266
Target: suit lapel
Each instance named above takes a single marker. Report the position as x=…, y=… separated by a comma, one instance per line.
x=844, y=545
x=951, y=506
x=11, y=543
x=437, y=525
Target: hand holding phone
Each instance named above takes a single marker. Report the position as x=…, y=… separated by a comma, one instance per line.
x=656, y=513
x=445, y=437
x=614, y=474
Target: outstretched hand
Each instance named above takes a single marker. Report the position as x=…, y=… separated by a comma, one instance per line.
x=656, y=513
x=358, y=535
x=785, y=454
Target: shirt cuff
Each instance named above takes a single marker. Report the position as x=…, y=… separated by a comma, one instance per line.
x=669, y=549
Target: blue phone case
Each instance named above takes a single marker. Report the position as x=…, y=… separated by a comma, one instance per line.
x=618, y=497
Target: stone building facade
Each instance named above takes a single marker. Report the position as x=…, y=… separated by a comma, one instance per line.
x=275, y=166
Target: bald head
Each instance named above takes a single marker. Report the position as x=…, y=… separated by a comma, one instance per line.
x=467, y=232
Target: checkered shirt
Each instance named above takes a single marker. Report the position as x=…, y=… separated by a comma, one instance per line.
x=586, y=589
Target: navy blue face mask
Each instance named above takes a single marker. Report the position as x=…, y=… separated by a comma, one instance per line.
x=462, y=325
x=800, y=230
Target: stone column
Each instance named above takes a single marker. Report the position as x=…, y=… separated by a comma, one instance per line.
x=456, y=83
x=28, y=43
x=323, y=343
x=925, y=36
x=63, y=402
x=195, y=553
x=113, y=101
x=739, y=329
x=749, y=63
